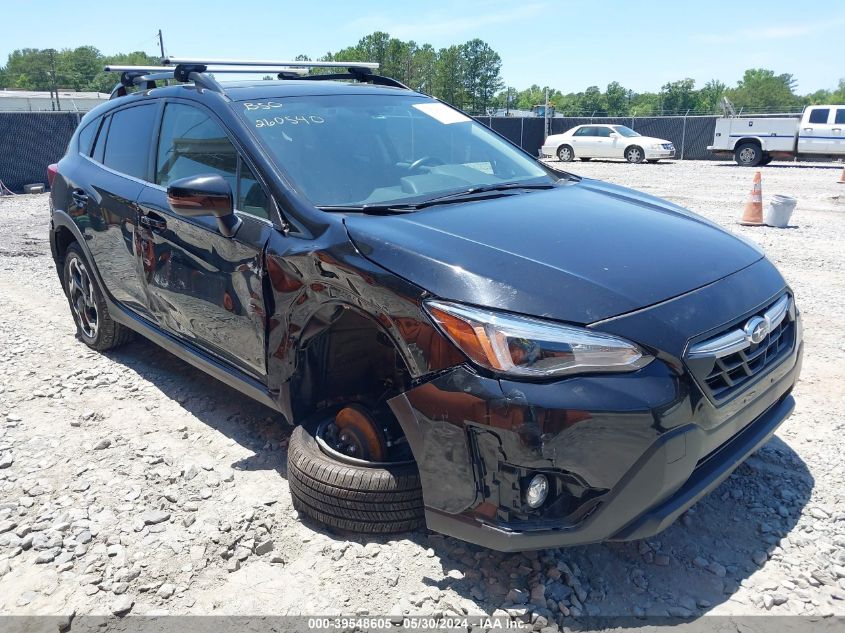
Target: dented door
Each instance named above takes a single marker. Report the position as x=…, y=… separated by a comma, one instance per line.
x=204, y=287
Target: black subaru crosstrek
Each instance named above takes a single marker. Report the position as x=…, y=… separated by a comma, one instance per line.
x=464, y=337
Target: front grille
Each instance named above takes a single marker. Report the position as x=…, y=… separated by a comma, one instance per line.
x=726, y=363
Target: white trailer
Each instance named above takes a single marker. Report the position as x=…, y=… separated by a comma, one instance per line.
x=752, y=141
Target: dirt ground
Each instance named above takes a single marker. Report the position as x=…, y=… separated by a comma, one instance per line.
x=132, y=483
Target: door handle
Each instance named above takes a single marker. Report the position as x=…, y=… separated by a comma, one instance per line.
x=153, y=222
x=836, y=129
x=808, y=129
x=79, y=197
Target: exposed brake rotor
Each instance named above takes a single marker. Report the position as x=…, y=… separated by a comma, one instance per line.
x=357, y=435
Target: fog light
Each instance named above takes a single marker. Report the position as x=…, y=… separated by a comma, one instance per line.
x=537, y=490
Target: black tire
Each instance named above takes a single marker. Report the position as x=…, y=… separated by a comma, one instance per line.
x=634, y=154
x=766, y=159
x=377, y=500
x=565, y=153
x=748, y=155
x=87, y=305
x=586, y=158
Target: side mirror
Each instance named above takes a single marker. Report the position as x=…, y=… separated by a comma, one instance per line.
x=614, y=135
x=207, y=194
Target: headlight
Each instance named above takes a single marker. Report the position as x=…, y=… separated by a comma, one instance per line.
x=657, y=146
x=532, y=348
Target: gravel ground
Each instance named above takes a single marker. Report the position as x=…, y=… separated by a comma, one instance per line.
x=130, y=482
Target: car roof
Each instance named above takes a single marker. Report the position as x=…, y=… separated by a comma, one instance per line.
x=246, y=90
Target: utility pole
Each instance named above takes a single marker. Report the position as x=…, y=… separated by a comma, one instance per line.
x=161, y=44
x=546, y=116
x=51, y=55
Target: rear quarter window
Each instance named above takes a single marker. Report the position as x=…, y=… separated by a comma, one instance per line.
x=86, y=136
x=128, y=143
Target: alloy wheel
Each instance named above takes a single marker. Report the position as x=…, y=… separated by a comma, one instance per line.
x=81, y=293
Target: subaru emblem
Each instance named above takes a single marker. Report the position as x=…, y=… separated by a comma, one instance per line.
x=756, y=330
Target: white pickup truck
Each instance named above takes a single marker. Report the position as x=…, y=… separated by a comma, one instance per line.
x=819, y=132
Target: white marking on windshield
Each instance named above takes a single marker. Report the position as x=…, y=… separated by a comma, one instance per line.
x=441, y=112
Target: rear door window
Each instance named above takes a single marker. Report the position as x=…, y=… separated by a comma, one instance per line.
x=840, y=116
x=819, y=115
x=128, y=142
x=602, y=131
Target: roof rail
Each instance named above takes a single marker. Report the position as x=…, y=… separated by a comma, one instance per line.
x=195, y=69
x=175, y=61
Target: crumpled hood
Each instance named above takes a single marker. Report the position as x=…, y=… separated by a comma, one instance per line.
x=581, y=252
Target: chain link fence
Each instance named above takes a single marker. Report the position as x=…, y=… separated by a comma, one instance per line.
x=29, y=141
x=690, y=134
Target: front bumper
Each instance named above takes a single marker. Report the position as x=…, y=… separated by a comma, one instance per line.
x=654, y=154
x=626, y=453
x=674, y=472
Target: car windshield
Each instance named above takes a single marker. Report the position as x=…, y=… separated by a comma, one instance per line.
x=354, y=150
x=626, y=131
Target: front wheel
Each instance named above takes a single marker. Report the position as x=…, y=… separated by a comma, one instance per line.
x=348, y=494
x=634, y=154
x=748, y=155
x=88, y=306
x=565, y=153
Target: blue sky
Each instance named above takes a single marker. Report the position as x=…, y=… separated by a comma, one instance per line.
x=567, y=45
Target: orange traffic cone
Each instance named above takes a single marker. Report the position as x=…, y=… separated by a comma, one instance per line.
x=842, y=178
x=753, y=214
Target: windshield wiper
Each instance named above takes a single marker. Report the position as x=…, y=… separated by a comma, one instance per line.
x=449, y=198
x=507, y=186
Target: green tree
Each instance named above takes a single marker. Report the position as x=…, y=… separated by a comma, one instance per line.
x=79, y=67
x=449, y=84
x=592, y=101
x=761, y=90
x=838, y=95
x=617, y=99
x=710, y=96
x=679, y=96
x=481, y=67
x=424, y=72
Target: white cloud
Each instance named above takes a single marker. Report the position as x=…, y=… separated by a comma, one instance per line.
x=774, y=32
x=440, y=24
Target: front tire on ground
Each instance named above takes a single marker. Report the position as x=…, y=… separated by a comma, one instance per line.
x=374, y=500
x=634, y=154
x=748, y=155
x=565, y=153
x=88, y=306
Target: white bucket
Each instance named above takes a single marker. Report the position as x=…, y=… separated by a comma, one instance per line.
x=779, y=211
